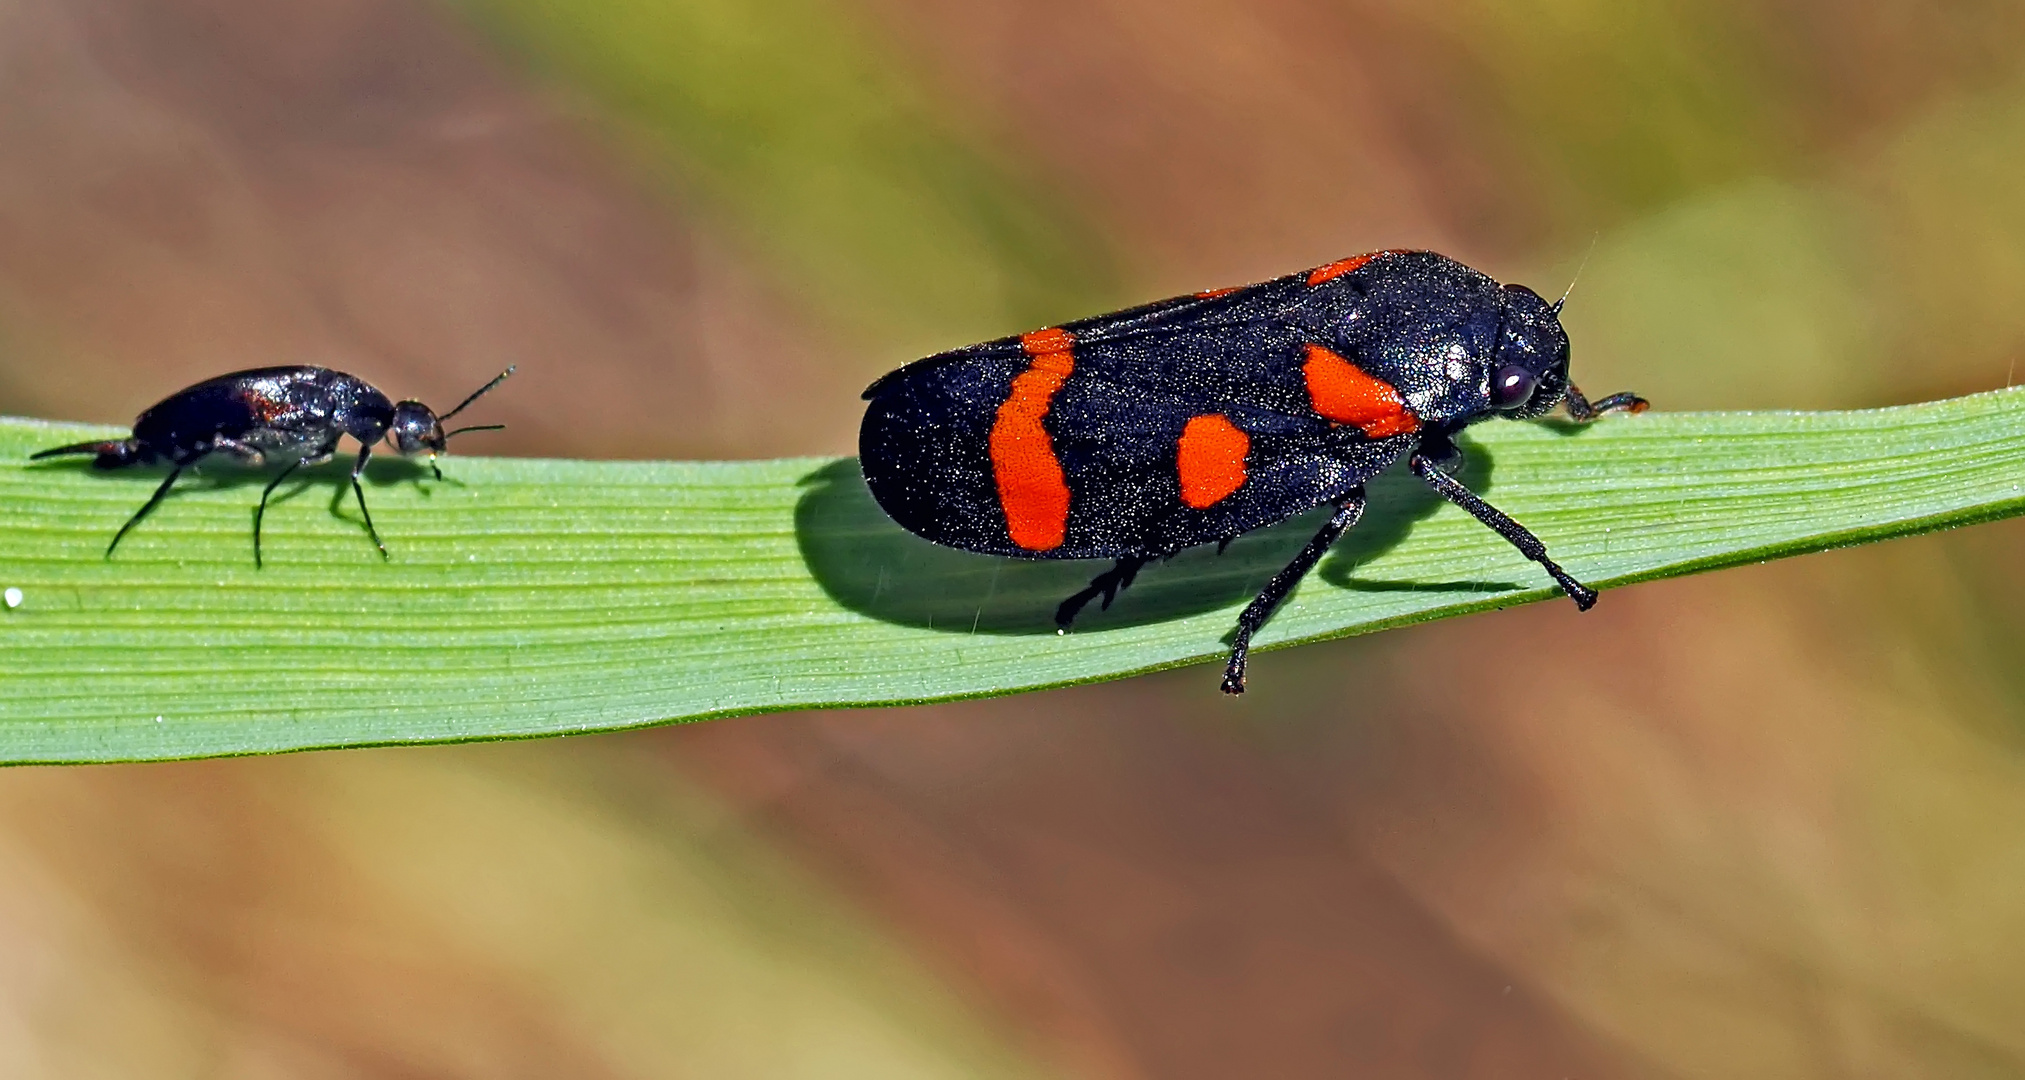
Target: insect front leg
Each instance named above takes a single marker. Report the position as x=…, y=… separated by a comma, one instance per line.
x=1448, y=487
x=1444, y=455
x=1583, y=410
x=1348, y=509
x=365, y=454
x=317, y=458
x=1107, y=585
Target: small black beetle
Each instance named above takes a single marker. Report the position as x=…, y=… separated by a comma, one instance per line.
x=295, y=414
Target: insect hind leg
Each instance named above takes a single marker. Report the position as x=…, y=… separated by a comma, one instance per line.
x=153, y=500
x=1106, y=585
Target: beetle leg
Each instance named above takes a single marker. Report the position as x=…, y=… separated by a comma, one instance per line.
x=244, y=454
x=1107, y=585
x=317, y=458
x=1348, y=509
x=157, y=497
x=1448, y=487
x=1582, y=410
x=365, y=454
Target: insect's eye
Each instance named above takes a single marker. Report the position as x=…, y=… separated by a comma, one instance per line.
x=1512, y=386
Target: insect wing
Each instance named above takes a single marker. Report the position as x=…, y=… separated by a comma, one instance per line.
x=924, y=448
x=229, y=406
x=1148, y=430
x=1153, y=472
x=1238, y=310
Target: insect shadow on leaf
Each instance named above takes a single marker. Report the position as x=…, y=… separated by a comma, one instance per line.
x=869, y=564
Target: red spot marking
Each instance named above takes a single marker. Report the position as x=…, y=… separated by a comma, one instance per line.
x=1340, y=267
x=1211, y=294
x=1210, y=460
x=1032, y=489
x=265, y=409
x=1342, y=392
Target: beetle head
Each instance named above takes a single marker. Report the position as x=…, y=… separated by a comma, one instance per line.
x=1529, y=363
x=417, y=428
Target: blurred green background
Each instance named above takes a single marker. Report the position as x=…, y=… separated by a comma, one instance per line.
x=1764, y=823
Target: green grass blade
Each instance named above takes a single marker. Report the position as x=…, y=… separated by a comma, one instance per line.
x=546, y=597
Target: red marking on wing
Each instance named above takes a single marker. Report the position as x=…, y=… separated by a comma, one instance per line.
x=1340, y=267
x=1210, y=460
x=1211, y=294
x=1032, y=489
x=265, y=409
x=1042, y=343
x=1342, y=392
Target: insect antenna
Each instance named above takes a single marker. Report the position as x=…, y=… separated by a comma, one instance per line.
x=1556, y=309
x=476, y=394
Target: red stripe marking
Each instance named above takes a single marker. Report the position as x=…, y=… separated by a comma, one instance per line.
x=1210, y=460
x=1040, y=343
x=1342, y=392
x=1340, y=267
x=1032, y=489
x=1211, y=294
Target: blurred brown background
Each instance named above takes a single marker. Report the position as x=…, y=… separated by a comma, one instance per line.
x=1765, y=823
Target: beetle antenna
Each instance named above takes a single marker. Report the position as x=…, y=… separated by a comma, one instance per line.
x=474, y=427
x=1556, y=309
x=479, y=393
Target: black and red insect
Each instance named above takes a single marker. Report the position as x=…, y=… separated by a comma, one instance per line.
x=278, y=414
x=1133, y=435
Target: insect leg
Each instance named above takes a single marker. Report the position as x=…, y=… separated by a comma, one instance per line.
x=365, y=454
x=246, y=455
x=1107, y=585
x=1582, y=410
x=317, y=458
x=1448, y=487
x=157, y=497
x=261, y=511
x=1348, y=509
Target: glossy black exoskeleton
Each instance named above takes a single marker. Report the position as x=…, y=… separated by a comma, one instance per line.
x=291, y=414
x=1134, y=435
